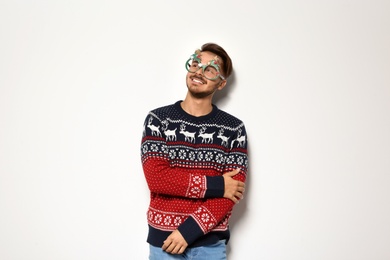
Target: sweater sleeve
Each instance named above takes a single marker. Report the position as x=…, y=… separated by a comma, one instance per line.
x=174, y=181
x=211, y=213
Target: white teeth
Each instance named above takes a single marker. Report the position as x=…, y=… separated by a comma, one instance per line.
x=197, y=81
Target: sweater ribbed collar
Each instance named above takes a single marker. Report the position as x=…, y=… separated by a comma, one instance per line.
x=195, y=118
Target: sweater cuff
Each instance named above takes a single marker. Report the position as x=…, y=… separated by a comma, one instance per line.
x=190, y=230
x=215, y=187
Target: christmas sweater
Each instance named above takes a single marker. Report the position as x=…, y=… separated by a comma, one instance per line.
x=184, y=158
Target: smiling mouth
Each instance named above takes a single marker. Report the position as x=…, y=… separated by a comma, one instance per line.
x=197, y=80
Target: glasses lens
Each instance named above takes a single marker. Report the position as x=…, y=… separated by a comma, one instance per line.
x=192, y=66
x=210, y=72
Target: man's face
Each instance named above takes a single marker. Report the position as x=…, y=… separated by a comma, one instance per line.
x=198, y=85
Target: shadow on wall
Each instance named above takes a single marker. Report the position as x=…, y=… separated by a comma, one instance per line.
x=221, y=98
x=240, y=210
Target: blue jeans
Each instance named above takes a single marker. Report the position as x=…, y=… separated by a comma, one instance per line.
x=211, y=252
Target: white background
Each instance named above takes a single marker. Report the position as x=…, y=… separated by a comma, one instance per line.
x=311, y=83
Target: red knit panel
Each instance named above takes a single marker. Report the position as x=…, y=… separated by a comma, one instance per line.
x=214, y=212
x=173, y=181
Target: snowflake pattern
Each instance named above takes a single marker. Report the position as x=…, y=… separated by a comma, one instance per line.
x=191, y=156
x=158, y=218
x=200, y=155
x=230, y=159
x=177, y=221
x=197, y=180
x=154, y=148
x=198, y=184
x=185, y=157
x=145, y=149
x=240, y=160
x=172, y=154
x=150, y=215
x=219, y=158
x=206, y=219
x=182, y=154
x=209, y=156
x=165, y=220
x=195, y=191
x=164, y=148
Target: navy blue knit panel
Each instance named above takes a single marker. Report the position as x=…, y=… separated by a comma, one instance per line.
x=216, y=140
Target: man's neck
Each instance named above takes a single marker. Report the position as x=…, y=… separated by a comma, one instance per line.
x=197, y=107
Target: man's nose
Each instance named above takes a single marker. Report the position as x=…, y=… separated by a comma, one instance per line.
x=199, y=71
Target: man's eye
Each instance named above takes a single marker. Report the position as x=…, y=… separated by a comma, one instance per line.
x=211, y=70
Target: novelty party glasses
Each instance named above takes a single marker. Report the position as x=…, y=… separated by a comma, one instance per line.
x=210, y=70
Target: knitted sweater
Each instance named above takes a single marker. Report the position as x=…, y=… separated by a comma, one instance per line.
x=184, y=158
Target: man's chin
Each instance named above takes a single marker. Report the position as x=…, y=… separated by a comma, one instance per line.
x=200, y=94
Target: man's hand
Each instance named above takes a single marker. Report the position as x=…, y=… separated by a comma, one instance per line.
x=175, y=243
x=233, y=189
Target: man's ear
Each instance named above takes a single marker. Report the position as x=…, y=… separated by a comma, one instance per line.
x=222, y=84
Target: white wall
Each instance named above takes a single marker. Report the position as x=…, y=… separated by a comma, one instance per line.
x=311, y=83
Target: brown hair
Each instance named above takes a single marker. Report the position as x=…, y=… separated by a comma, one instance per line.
x=227, y=64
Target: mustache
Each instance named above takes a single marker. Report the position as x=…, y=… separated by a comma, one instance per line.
x=198, y=78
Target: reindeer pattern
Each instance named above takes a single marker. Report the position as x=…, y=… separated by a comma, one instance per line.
x=213, y=143
x=194, y=133
x=155, y=129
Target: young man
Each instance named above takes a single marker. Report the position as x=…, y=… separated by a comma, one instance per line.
x=194, y=158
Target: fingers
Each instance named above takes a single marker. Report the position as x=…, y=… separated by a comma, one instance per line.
x=235, y=195
x=165, y=245
x=240, y=186
x=239, y=195
x=232, y=173
x=174, y=248
x=234, y=190
x=175, y=243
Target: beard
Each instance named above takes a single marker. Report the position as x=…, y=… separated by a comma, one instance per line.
x=200, y=94
x=197, y=93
